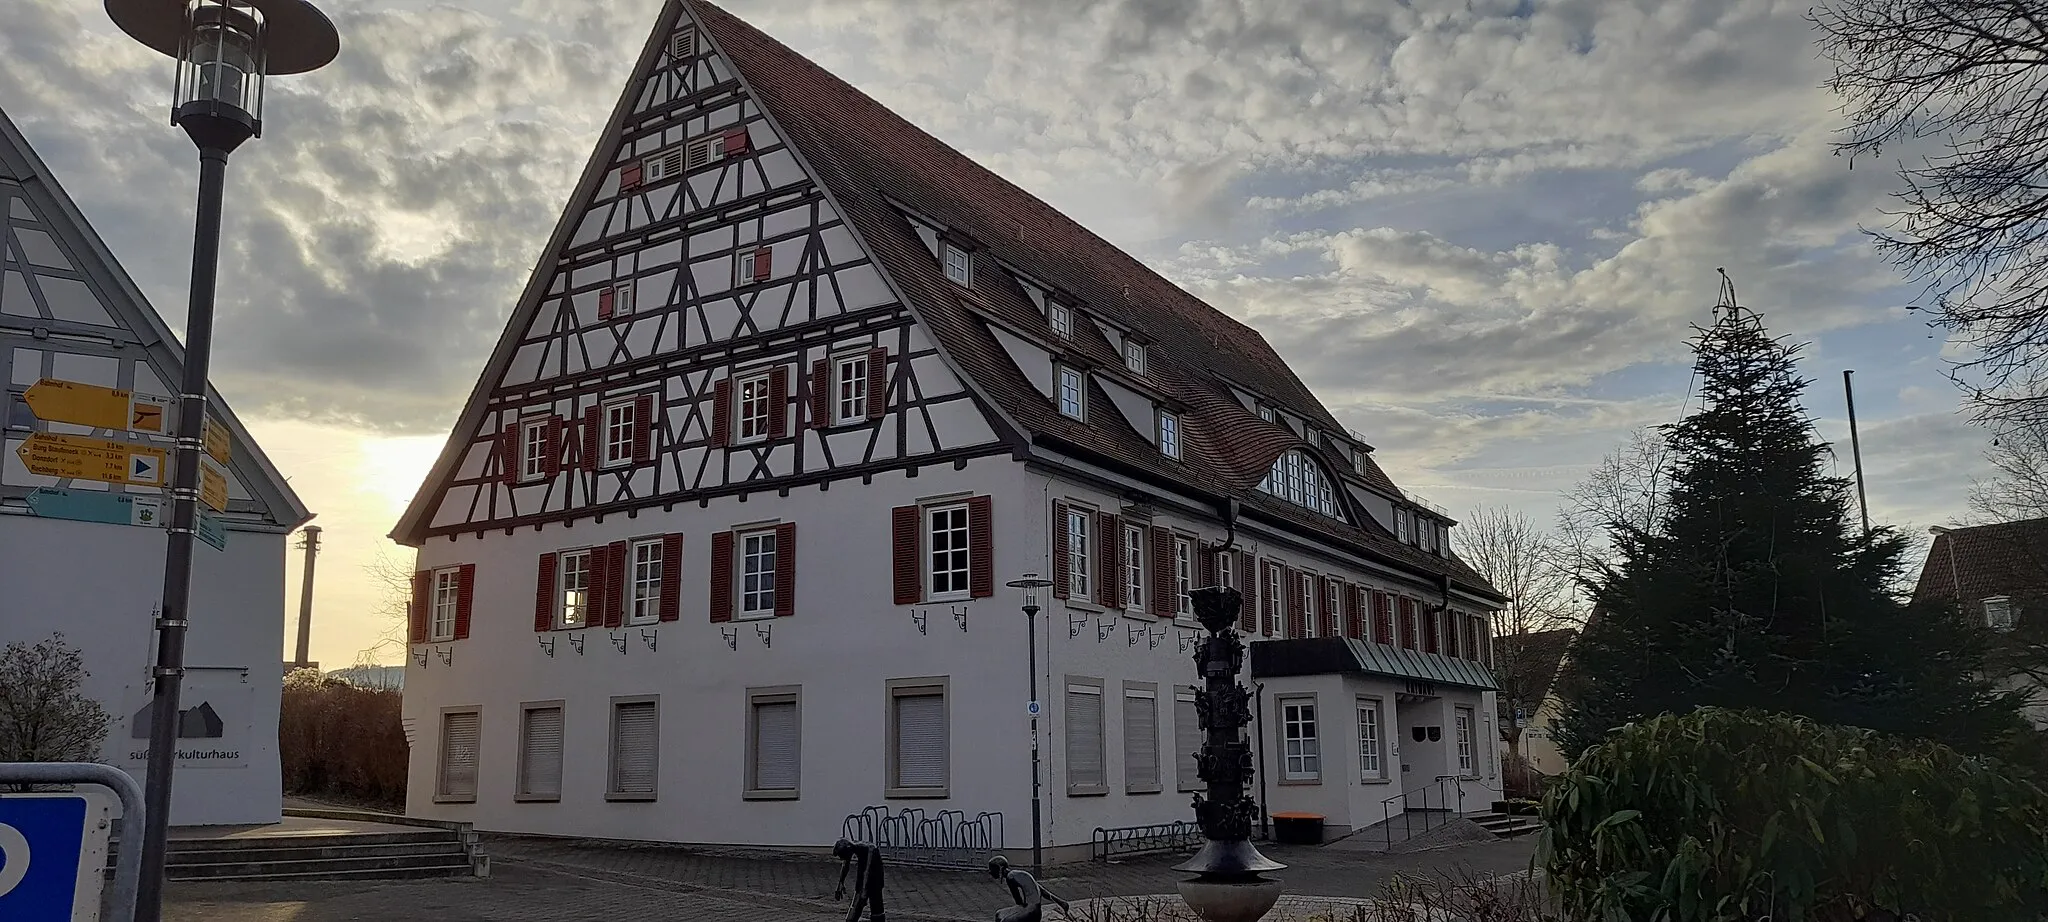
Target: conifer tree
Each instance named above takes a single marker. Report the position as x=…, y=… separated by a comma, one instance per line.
x=1754, y=588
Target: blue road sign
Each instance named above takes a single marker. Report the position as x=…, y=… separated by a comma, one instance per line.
x=42, y=842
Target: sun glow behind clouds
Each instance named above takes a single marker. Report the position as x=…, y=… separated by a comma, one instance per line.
x=392, y=468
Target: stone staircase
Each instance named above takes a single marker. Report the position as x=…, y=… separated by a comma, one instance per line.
x=394, y=849
x=1505, y=825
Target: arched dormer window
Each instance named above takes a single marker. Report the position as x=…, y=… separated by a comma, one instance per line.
x=1302, y=482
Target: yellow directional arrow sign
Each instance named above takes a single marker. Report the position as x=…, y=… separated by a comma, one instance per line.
x=81, y=458
x=98, y=407
x=213, y=486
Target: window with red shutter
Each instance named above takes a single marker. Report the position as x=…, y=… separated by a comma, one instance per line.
x=778, y=402
x=604, y=304
x=1062, y=576
x=878, y=382
x=981, y=548
x=551, y=448
x=764, y=264
x=544, y=594
x=615, y=584
x=1164, y=593
x=1269, y=591
x=629, y=176
x=1430, y=640
x=508, y=454
x=465, y=599
x=643, y=429
x=785, y=569
x=671, y=577
x=821, y=394
x=721, y=413
x=721, y=577
x=736, y=141
x=1332, y=599
x=416, y=614
x=905, y=525
x=1109, y=563
x=592, y=426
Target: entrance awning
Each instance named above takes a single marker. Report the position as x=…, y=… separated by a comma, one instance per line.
x=1326, y=655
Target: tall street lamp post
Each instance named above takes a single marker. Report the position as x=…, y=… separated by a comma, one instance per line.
x=224, y=49
x=1031, y=583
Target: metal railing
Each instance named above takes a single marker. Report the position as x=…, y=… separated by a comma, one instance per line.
x=1122, y=841
x=128, y=860
x=1425, y=807
x=946, y=839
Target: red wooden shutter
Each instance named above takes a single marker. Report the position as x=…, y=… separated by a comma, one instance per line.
x=1430, y=641
x=616, y=567
x=721, y=413
x=1331, y=600
x=981, y=548
x=551, y=451
x=905, y=528
x=465, y=599
x=643, y=429
x=778, y=401
x=544, y=594
x=604, y=304
x=878, y=382
x=671, y=577
x=416, y=616
x=1248, y=584
x=1482, y=628
x=1109, y=566
x=1297, y=603
x=721, y=577
x=1062, y=576
x=764, y=264
x=593, y=426
x=1266, y=593
x=821, y=394
x=1382, y=618
x=1165, y=587
x=595, y=588
x=785, y=569
x=1358, y=601
x=736, y=141
x=629, y=176
x=1409, y=639
x=1205, y=566
x=508, y=454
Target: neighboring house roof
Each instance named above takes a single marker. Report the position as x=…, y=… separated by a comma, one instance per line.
x=877, y=166
x=1528, y=665
x=1983, y=561
x=126, y=317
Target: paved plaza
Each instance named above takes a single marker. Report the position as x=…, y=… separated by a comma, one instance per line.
x=571, y=881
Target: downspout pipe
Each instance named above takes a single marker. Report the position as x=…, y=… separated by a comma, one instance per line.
x=1259, y=709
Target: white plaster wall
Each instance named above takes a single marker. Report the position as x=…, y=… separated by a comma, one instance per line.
x=99, y=585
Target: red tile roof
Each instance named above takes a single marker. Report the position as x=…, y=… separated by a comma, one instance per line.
x=873, y=161
x=2009, y=559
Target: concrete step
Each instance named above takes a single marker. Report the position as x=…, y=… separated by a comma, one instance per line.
x=412, y=873
x=1504, y=825
x=187, y=846
x=315, y=853
x=376, y=865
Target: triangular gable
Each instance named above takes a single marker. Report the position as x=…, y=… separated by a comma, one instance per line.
x=68, y=310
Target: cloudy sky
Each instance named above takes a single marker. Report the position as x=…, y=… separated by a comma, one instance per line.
x=1478, y=228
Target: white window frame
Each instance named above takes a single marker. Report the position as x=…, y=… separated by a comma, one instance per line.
x=569, y=598
x=615, y=445
x=647, y=566
x=850, y=388
x=1267, y=413
x=1080, y=526
x=1071, y=732
x=1135, y=565
x=1134, y=356
x=705, y=150
x=1134, y=761
x=622, y=299
x=1226, y=572
x=897, y=689
x=1466, y=729
x=955, y=550
x=743, y=264
x=1311, y=604
x=959, y=264
x=1169, y=434
x=1300, y=481
x=1300, y=740
x=613, y=789
x=756, y=548
x=1184, y=577
x=1277, y=575
x=443, y=603
x=1060, y=318
x=1998, y=612
x=662, y=165
x=446, y=792
x=533, y=450
x=758, y=698
x=748, y=428
x=523, y=787
x=1358, y=461
x=1372, y=754
x=1070, y=392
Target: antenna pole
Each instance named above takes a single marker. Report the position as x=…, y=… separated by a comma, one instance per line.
x=1856, y=448
x=311, y=544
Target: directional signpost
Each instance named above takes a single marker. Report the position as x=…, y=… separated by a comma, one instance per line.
x=84, y=458
x=99, y=407
x=116, y=509
x=77, y=457
x=213, y=486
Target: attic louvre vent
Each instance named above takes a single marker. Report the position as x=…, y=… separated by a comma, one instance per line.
x=684, y=45
x=664, y=164
x=705, y=150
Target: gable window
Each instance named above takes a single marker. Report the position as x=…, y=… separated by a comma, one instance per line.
x=662, y=165
x=1358, y=461
x=1300, y=481
x=1060, y=319
x=747, y=267
x=706, y=150
x=615, y=301
x=1134, y=568
x=959, y=265
x=618, y=433
x=1184, y=577
x=1134, y=356
x=1169, y=434
x=1370, y=767
x=647, y=577
x=572, y=609
x=1465, y=742
x=850, y=390
x=447, y=598
x=533, y=449
x=1301, y=750
x=1085, y=770
x=1268, y=414
x=1069, y=393
x=948, y=561
x=1078, y=583
x=920, y=755
x=1997, y=613
x=754, y=403
x=757, y=574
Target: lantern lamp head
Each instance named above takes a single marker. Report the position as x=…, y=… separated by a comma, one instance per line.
x=224, y=49
x=1031, y=583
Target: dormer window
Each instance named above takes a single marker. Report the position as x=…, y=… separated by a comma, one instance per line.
x=1358, y=461
x=1134, y=356
x=1998, y=613
x=1060, y=319
x=959, y=265
x=1268, y=414
x=1404, y=526
x=1299, y=480
x=1169, y=434
x=1068, y=390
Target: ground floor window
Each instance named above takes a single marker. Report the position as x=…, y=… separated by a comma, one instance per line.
x=1300, y=747
x=635, y=747
x=919, y=740
x=460, y=733
x=774, y=742
x=1370, y=766
x=1465, y=741
x=540, y=752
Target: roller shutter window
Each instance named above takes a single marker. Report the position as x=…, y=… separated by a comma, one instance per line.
x=776, y=734
x=460, y=736
x=920, y=744
x=1086, y=773
x=635, y=750
x=1141, y=739
x=1187, y=740
x=540, y=753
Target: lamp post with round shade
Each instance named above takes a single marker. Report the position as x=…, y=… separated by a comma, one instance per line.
x=224, y=49
x=1030, y=583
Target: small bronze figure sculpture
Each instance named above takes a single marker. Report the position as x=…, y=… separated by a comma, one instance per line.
x=1024, y=889
x=866, y=863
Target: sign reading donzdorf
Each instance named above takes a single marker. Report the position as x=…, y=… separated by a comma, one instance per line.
x=79, y=457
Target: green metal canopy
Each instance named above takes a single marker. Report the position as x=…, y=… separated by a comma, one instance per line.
x=1325, y=655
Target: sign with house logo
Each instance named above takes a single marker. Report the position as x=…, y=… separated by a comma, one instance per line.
x=213, y=722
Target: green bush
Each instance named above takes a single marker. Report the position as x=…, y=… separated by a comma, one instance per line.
x=1746, y=815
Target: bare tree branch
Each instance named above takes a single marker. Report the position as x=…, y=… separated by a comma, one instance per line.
x=2019, y=489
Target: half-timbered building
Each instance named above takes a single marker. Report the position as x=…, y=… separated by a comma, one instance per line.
x=713, y=552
